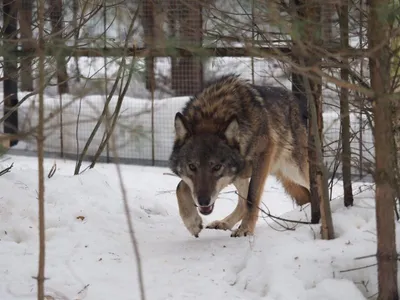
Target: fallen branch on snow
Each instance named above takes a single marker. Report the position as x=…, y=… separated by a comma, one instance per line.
x=6, y=170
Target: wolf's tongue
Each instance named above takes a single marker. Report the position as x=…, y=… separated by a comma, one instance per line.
x=206, y=210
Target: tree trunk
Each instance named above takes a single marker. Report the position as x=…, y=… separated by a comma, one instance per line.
x=56, y=17
x=299, y=89
x=318, y=176
x=395, y=79
x=189, y=70
x=314, y=147
x=148, y=29
x=344, y=107
x=173, y=13
x=25, y=22
x=317, y=170
x=308, y=13
x=379, y=63
x=10, y=69
x=327, y=11
x=75, y=12
x=318, y=173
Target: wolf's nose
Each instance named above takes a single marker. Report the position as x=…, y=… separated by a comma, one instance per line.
x=203, y=200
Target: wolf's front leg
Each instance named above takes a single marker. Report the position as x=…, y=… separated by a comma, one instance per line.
x=187, y=209
x=256, y=187
x=242, y=187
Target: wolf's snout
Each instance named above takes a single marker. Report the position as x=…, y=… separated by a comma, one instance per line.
x=204, y=205
x=204, y=200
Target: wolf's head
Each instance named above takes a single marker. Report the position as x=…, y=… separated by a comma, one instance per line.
x=207, y=162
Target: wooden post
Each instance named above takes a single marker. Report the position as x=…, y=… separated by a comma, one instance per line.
x=10, y=84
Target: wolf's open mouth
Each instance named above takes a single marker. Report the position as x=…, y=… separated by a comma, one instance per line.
x=206, y=210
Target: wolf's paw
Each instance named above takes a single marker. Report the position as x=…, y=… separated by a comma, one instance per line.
x=242, y=231
x=220, y=225
x=194, y=225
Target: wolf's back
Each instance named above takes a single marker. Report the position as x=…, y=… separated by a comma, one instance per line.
x=226, y=98
x=230, y=96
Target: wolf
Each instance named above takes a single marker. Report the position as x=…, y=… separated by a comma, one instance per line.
x=235, y=132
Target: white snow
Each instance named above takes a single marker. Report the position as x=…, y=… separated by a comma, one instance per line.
x=89, y=254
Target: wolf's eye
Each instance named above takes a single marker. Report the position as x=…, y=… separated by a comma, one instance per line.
x=192, y=167
x=217, y=167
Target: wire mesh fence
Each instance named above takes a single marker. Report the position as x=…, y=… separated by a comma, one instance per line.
x=127, y=67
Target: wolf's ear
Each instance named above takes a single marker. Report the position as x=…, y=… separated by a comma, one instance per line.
x=232, y=130
x=181, y=129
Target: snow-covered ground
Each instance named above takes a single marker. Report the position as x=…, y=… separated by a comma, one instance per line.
x=89, y=254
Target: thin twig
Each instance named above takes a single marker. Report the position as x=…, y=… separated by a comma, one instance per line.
x=275, y=217
x=285, y=227
x=52, y=170
x=358, y=268
x=171, y=174
x=283, y=219
x=129, y=219
x=6, y=170
x=364, y=257
x=83, y=289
